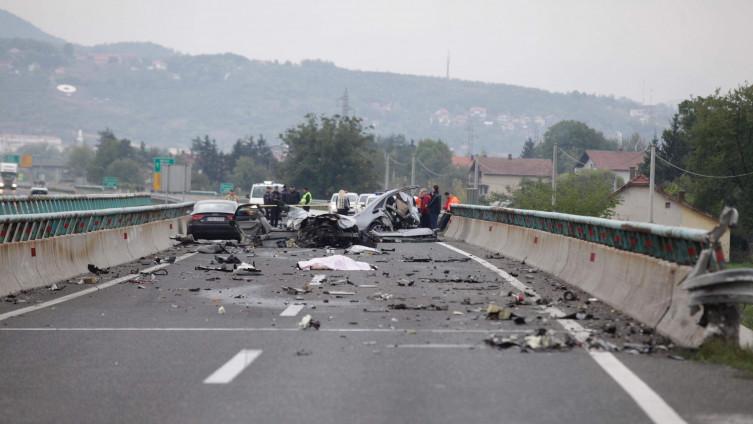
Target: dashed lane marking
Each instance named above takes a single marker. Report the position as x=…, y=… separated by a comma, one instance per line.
x=232, y=368
x=647, y=399
x=291, y=310
x=84, y=292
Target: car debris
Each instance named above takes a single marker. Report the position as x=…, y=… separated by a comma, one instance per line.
x=55, y=287
x=358, y=249
x=222, y=268
x=406, y=235
x=308, y=322
x=229, y=259
x=430, y=307
x=334, y=263
x=317, y=280
x=496, y=312
x=97, y=270
x=246, y=269
x=212, y=248
x=547, y=340
x=502, y=342
x=165, y=260
x=183, y=238
x=221, y=310
x=329, y=230
x=339, y=293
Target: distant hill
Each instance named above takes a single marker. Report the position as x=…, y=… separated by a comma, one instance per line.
x=147, y=92
x=11, y=26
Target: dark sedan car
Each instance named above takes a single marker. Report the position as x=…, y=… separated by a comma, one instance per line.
x=214, y=220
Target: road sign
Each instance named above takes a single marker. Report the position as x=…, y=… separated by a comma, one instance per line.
x=110, y=182
x=25, y=161
x=226, y=188
x=157, y=181
x=159, y=161
x=12, y=158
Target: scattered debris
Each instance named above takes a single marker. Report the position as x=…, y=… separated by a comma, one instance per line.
x=183, y=238
x=229, y=259
x=88, y=280
x=308, y=322
x=545, y=339
x=358, y=249
x=221, y=310
x=502, y=342
x=340, y=293
x=495, y=312
x=165, y=260
x=317, y=280
x=246, y=269
x=303, y=352
x=222, y=268
x=96, y=270
x=430, y=307
x=212, y=248
x=54, y=287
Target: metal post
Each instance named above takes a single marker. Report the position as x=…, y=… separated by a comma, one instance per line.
x=554, y=175
x=386, y=170
x=475, y=181
x=651, y=183
x=167, y=183
x=413, y=168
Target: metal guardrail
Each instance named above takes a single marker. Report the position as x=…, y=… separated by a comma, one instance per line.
x=18, y=205
x=675, y=244
x=15, y=228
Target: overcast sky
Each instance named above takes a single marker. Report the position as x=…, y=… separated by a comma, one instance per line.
x=660, y=50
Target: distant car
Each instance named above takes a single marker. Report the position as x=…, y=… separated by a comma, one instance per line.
x=352, y=198
x=39, y=191
x=214, y=220
x=361, y=202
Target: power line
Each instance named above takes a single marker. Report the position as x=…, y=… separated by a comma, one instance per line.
x=436, y=174
x=721, y=177
x=397, y=162
x=570, y=156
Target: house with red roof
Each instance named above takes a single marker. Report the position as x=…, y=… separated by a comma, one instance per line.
x=619, y=162
x=503, y=175
x=669, y=209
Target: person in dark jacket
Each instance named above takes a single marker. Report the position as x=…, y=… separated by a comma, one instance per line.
x=277, y=207
x=268, y=204
x=285, y=195
x=435, y=207
x=295, y=196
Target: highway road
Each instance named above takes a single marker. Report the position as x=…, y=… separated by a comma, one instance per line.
x=160, y=351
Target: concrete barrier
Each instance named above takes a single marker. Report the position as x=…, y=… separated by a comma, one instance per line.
x=643, y=287
x=32, y=264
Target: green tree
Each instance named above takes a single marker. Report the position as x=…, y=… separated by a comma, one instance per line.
x=574, y=138
x=128, y=171
x=79, y=159
x=588, y=193
x=434, y=164
x=529, y=148
x=109, y=149
x=209, y=159
x=248, y=171
x=674, y=148
x=330, y=153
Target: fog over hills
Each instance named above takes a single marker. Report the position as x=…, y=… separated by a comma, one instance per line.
x=148, y=92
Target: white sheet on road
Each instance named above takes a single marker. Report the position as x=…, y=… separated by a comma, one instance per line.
x=334, y=263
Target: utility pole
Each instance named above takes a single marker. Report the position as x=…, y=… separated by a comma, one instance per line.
x=345, y=104
x=475, y=180
x=554, y=175
x=413, y=164
x=652, y=175
x=386, y=170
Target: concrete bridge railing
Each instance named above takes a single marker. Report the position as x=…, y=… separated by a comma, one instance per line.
x=635, y=267
x=39, y=249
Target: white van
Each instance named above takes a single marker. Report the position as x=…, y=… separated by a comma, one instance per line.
x=256, y=196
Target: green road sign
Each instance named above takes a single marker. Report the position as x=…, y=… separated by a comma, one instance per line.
x=12, y=158
x=226, y=187
x=110, y=182
x=158, y=161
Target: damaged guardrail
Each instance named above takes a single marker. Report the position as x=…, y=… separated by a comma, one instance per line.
x=18, y=205
x=16, y=228
x=674, y=244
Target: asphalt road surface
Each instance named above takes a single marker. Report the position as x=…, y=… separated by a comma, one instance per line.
x=159, y=350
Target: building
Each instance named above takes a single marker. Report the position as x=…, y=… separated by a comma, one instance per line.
x=11, y=142
x=618, y=162
x=461, y=161
x=503, y=175
x=668, y=209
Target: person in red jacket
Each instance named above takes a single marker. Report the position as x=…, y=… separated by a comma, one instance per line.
x=425, y=198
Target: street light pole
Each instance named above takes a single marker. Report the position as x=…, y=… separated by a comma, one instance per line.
x=386, y=170
x=554, y=175
x=652, y=175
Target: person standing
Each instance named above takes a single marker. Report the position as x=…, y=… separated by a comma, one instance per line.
x=424, y=199
x=343, y=204
x=306, y=199
x=285, y=195
x=451, y=200
x=435, y=206
x=268, y=204
x=294, y=197
x=276, y=208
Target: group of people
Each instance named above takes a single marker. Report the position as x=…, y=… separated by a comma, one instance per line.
x=274, y=200
x=430, y=205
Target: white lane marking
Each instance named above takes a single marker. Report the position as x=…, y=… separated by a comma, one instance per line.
x=648, y=400
x=266, y=329
x=651, y=403
x=84, y=292
x=505, y=276
x=436, y=346
x=232, y=368
x=291, y=310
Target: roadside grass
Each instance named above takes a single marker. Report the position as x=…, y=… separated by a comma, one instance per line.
x=720, y=352
x=746, y=317
x=739, y=265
